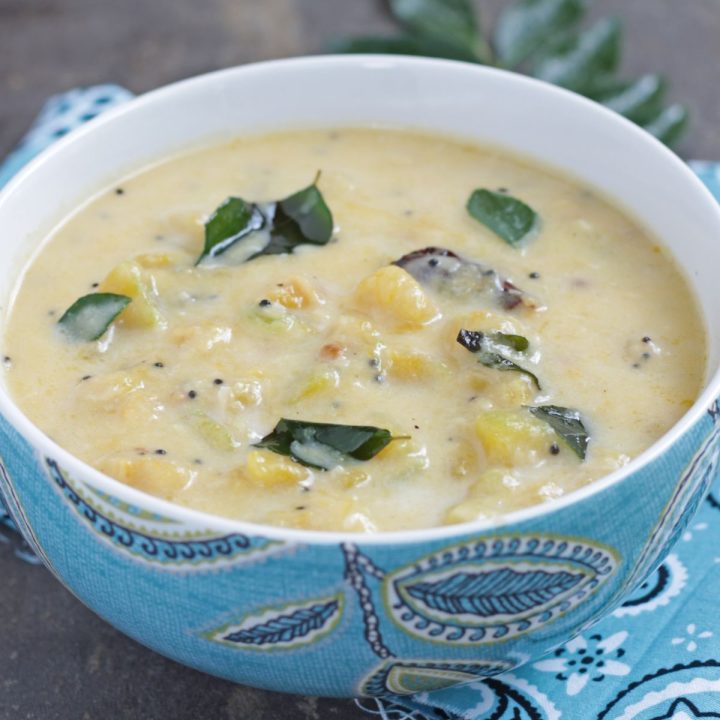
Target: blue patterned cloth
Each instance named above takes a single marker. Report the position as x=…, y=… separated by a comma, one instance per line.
x=61, y=114
x=657, y=657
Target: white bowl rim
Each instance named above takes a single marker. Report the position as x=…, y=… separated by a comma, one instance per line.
x=198, y=518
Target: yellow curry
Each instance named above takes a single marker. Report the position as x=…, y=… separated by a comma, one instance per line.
x=358, y=330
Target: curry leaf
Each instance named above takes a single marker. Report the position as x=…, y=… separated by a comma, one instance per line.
x=639, y=100
x=496, y=361
x=473, y=340
x=515, y=342
x=325, y=445
x=592, y=54
x=233, y=220
x=452, y=21
x=525, y=27
x=402, y=45
x=669, y=125
x=543, y=37
x=90, y=316
x=567, y=423
x=300, y=219
x=303, y=218
x=485, y=346
x=509, y=218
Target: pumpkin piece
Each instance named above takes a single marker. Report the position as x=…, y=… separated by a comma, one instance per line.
x=513, y=437
x=128, y=278
x=267, y=469
x=394, y=295
x=155, y=475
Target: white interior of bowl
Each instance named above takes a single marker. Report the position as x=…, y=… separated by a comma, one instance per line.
x=490, y=106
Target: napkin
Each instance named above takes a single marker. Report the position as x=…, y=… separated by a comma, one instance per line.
x=657, y=657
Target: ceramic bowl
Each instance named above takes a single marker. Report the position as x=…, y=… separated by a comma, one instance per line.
x=342, y=614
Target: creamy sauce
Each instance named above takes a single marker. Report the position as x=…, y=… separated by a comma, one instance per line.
x=198, y=367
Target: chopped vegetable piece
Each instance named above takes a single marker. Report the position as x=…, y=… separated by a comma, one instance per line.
x=130, y=279
x=490, y=494
x=512, y=437
x=485, y=345
x=319, y=381
x=91, y=315
x=215, y=434
x=411, y=365
x=302, y=218
x=393, y=293
x=567, y=423
x=294, y=294
x=447, y=272
x=154, y=475
x=269, y=470
x=325, y=445
x=509, y=218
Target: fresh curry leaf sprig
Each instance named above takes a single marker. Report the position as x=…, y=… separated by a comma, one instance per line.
x=491, y=350
x=303, y=218
x=543, y=38
x=452, y=21
x=401, y=45
x=526, y=28
x=325, y=445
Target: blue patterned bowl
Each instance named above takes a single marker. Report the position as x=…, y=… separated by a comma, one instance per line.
x=341, y=614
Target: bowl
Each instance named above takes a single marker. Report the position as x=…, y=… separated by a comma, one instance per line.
x=343, y=614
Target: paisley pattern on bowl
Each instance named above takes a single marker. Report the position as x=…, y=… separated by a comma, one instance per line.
x=283, y=627
x=152, y=538
x=495, y=589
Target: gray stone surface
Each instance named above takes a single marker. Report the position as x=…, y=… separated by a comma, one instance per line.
x=58, y=661
x=52, y=45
